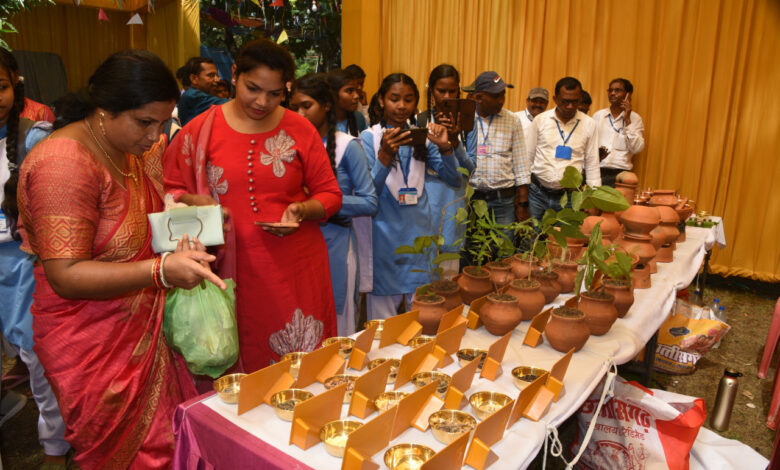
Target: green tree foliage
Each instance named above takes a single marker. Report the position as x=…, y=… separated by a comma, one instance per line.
x=9, y=8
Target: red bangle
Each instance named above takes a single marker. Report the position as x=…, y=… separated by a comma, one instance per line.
x=156, y=279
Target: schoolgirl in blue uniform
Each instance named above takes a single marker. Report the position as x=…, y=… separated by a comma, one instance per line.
x=346, y=89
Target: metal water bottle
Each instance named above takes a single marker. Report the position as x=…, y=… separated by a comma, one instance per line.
x=724, y=401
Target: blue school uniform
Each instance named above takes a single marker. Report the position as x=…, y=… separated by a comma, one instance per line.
x=343, y=126
x=396, y=225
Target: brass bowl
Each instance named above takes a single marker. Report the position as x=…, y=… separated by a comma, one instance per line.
x=407, y=456
x=228, y=386
x=448, y=425
x=345, y=344
x=295, y=362
x=422, y=379
x=485, y=404
x=386, y=400
x=334, y=435
x=284, y=401
x=339, y=379
x=467, y=355
x=524, y=375
x=418, y=341
x=394, y=363
x=378, y=332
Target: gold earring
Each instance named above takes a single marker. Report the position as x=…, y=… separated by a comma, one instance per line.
x=100, y=123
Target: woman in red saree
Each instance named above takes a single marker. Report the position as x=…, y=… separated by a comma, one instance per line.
x=84, y=195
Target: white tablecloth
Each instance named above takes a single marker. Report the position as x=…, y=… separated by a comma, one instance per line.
x=523, y=440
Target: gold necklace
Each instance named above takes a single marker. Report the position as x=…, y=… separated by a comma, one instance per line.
x=108, y=157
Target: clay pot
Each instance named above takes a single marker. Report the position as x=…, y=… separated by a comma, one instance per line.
x=474, y=283
x=500, y=314
x=610, y=229
x=640, y=220
x=683, y=212
x=549, y=284
x=600, y=312
x=640, y=244
x=567, y=329
x=529, y=296
x=665, y=254
x=623, y=293
x=522, y=267
x=450, y=290
x=640, y=277
x=628, y=178
x=500, y=273
x=663, y=197
x=669, y=221
x=567, y=271
x=431, y=309
x=628, y=191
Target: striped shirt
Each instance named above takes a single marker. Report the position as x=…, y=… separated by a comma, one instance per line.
x=507, y=164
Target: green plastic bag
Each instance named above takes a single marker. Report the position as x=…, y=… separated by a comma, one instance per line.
x=200, y=324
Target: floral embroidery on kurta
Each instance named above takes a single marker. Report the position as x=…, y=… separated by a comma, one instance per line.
x=301, y=334
x=280, y=148
x=214, y=175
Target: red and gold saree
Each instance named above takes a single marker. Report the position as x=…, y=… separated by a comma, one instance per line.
x=116, y=380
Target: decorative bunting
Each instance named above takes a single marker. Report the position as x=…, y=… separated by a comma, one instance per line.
x=102, y=15
x=282, y=37
x=135, y=19
x=277, y=3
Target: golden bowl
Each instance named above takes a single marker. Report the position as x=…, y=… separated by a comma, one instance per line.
x=334, y=435
x=378, y=332
x=345, y=344
x=386, y=400
x=284, y=401
x=448, y=425
x=295, y=362
x=228, y=386
x=422, y=379
x=524, y=375
x=418, y=341
x=407, y=456
x=336, y=380
x=467, y=355
x=485, y=404
x=394, y=363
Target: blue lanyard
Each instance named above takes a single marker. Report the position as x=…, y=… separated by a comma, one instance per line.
x=566, y=139
x=405, y=171
x=613, y=124
x=485, y=134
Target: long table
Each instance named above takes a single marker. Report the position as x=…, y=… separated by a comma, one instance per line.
x=209, y=434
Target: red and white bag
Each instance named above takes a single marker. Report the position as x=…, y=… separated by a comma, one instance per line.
x=639, y=428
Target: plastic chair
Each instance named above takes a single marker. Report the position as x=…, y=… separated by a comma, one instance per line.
x=771, y=343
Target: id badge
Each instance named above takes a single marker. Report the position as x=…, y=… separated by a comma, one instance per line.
x=4, y=228
x=484, y=149
x=619, y=142
x=407, y=196
x=563, y=152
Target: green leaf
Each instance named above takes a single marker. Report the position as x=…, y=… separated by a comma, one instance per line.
x=480, y=207
x=406, y=250
x=576, y=200
x=419, y=244
x=445, y=257
x=572, y=179
x=564, y=199
x=461, y=214
x=439, y=240
x=469, y=192
x=578, y=281
x=463, y=171
x=609, y=199
x=540, y=250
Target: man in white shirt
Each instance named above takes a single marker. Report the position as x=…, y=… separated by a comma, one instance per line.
x=620, y=130
x=537, y=101
x=561, y=137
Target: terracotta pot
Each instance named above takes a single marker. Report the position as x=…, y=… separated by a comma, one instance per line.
x=529, y=296
x=600, y=312
x=658, y=236
x=665, y=254
x=575, y=248
x=549, y=284
x=610, y=229
x=628, y=178
x=623, y=293
x=474, y=283
x=628, y=191
x=640, y=277
x=669, y=221
x=500, y=273
x=567, y=271
x=450, y=290
x=640, y=220
x=431, y=309
x=522, y=267
x=663, y=197
x=567, y=329
x=500, y=314
x=641, y=245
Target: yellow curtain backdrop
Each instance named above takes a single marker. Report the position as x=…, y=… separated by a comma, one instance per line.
x=172, y=31
x=703, y=72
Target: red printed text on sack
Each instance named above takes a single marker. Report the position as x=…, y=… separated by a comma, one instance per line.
x=618, y=409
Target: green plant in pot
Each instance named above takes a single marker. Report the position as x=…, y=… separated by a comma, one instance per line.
x=617, y=278
x=597, y=305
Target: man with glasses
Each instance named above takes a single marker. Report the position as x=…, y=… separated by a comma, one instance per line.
x=620, y=131
x=561, y=137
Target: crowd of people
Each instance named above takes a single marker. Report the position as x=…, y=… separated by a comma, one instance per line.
x=318, y=185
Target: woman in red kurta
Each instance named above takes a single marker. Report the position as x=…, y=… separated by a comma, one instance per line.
x=265, y=165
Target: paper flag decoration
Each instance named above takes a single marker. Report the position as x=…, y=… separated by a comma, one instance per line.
x=282, y=37
x=277, y=3
x=102, y=15
x=135, y=19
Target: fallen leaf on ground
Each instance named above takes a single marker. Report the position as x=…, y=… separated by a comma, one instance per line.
x=750, y=405
x=748, y=394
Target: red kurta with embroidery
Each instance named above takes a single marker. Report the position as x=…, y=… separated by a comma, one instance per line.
x=256, y=176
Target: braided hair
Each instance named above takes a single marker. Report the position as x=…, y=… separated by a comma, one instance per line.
x=421, y=150
x=315, y=85
x=9, y=206
x=338, y=79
